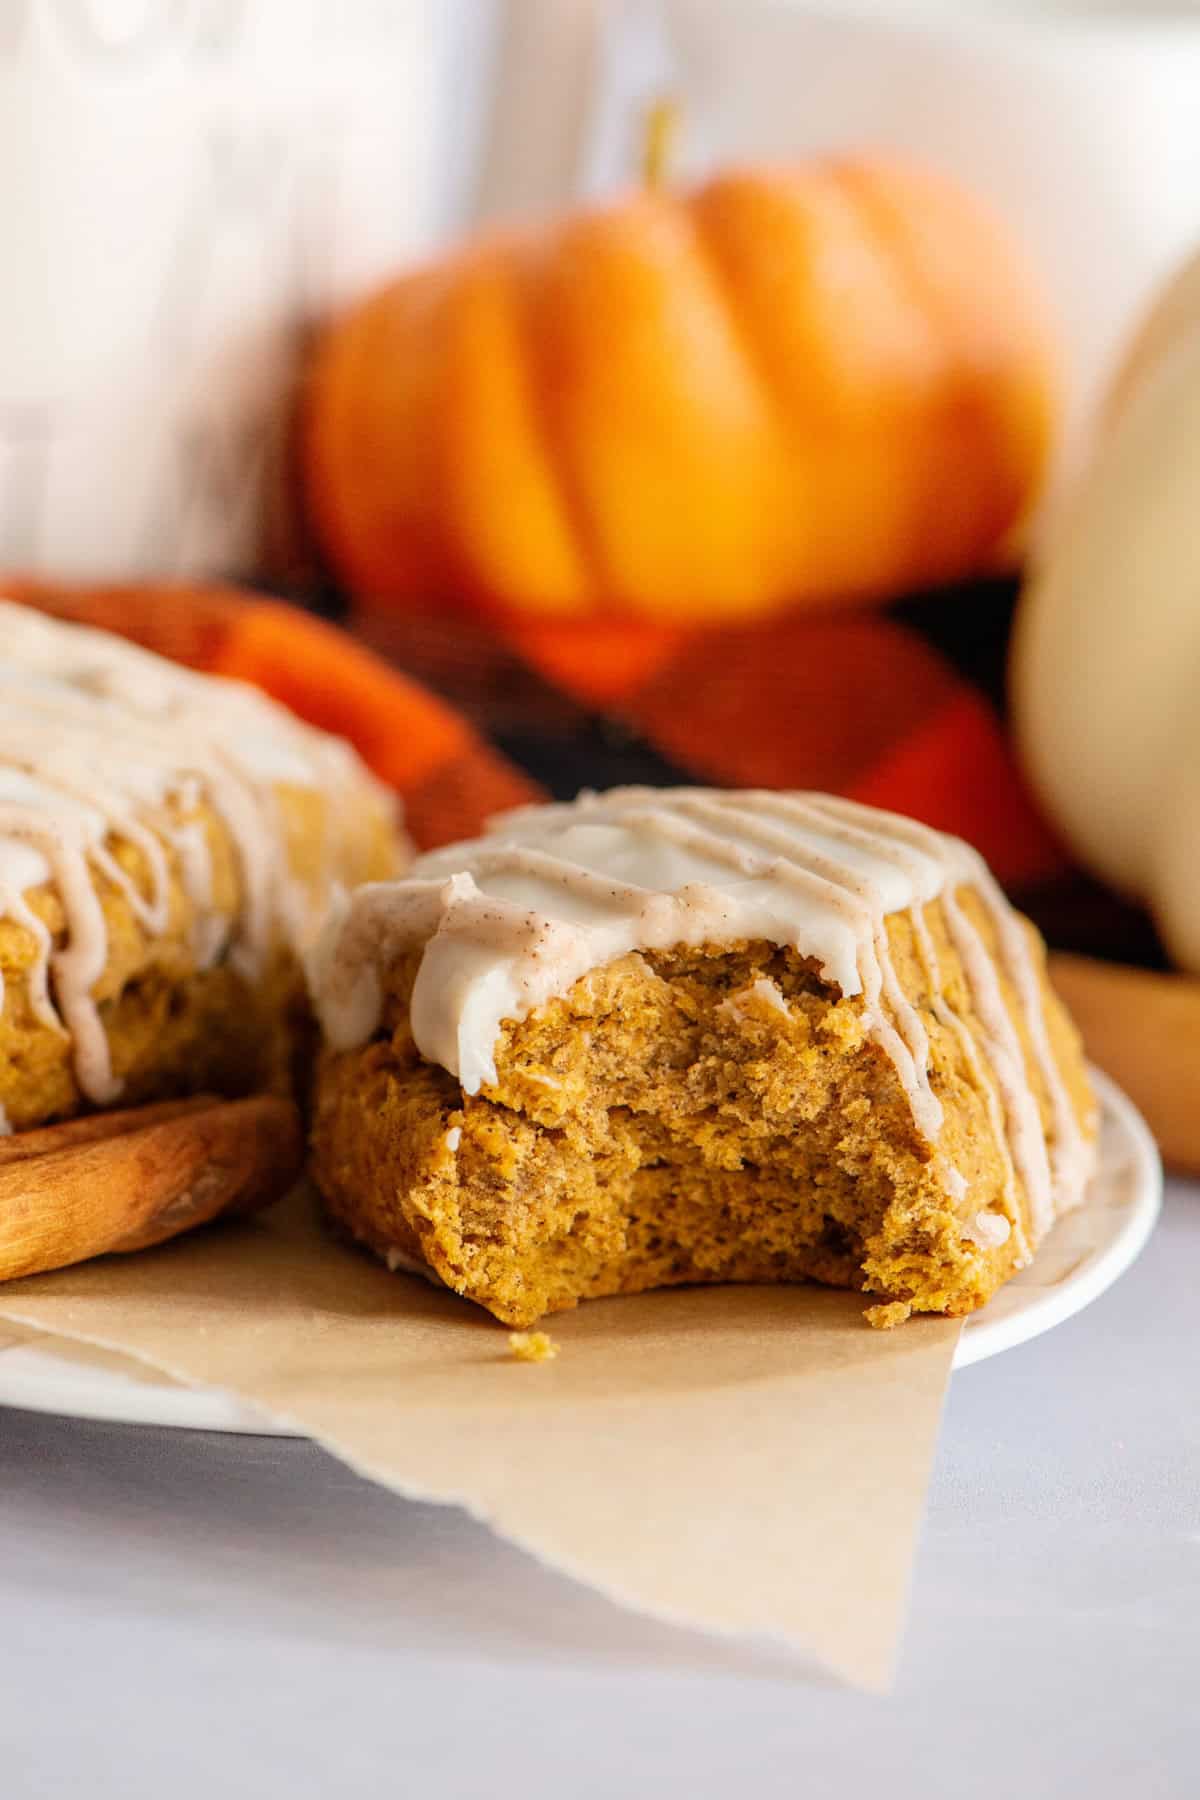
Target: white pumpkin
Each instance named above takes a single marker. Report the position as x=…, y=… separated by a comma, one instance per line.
x=1106, y=656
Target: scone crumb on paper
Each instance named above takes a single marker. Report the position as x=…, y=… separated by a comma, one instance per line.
x=532, y=1346
x=883, y=1318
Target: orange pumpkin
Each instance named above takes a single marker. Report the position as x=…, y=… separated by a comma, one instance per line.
x=829, y=384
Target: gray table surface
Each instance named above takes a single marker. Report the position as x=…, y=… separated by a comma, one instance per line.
x=193, y=1616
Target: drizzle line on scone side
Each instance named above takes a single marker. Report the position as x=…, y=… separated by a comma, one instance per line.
x=102, y=742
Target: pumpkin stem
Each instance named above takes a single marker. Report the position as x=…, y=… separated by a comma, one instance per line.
x=660, y=138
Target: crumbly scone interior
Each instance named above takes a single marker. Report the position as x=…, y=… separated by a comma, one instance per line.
x=717, y=1114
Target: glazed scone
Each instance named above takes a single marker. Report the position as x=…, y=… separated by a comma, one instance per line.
x=658, y=1037
x=169, y=842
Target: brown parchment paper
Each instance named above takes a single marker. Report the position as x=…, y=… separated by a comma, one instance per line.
x=746, y=1460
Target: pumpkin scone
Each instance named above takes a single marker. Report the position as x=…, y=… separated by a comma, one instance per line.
x=658, y=1037
x=169, y=842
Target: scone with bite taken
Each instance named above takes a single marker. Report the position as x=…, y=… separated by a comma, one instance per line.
x=660, y=1037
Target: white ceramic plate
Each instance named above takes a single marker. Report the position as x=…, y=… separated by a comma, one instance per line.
x=1086, y=1251
x=1082, y=1257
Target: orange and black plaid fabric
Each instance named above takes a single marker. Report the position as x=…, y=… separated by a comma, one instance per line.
x=900, y=708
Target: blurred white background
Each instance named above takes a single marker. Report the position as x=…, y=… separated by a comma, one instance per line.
x=1079, y=123
x=185, y=189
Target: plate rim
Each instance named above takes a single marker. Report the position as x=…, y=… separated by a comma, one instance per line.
x=33, y=1382
x=983, y=1338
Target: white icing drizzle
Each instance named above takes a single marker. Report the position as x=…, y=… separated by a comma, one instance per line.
x=1054, y=1190
x=763, y=990
x=987, y=1229
x=104, y=744
x=982, y=1078
x=956, y=1182
x=1070, y=1152
x=514, y=918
